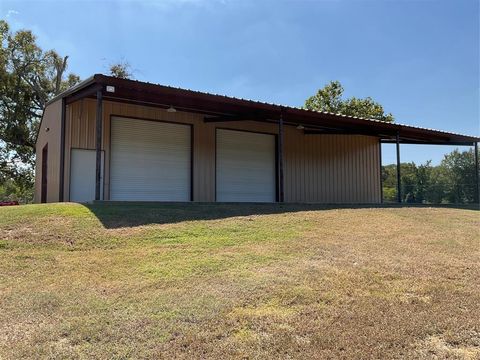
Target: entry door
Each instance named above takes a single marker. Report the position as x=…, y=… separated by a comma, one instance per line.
x=246, y=166
x=83, y=175
x=150, y=160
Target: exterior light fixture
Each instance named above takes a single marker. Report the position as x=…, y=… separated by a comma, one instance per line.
x=300, y=127
x=171, y=109
x=110, y=89
x=47, y=129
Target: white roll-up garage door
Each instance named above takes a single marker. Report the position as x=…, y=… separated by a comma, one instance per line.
x=82, y=175
x=150, y=160
x=245, y=166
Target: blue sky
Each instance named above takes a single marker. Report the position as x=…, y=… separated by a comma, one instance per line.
x=420, y=59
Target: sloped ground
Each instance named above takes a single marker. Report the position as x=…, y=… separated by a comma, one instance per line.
x=245, y=281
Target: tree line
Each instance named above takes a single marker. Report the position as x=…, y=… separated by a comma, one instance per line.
x=453, y=181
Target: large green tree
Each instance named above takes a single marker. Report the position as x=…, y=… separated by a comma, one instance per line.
x=457, y=176
x=121, y=69
x=29, y=77
x=330, y=99
x=452, y=181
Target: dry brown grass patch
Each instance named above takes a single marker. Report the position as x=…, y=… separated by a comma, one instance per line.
x=346, y=283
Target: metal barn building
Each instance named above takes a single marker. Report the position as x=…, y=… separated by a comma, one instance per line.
x=123, y=140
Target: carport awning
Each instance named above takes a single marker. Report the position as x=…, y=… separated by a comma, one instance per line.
x=219, y=108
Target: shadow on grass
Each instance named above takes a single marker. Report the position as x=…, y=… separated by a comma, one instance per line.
x=129, y=214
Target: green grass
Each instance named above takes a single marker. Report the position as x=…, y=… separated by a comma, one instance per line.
x=238, y=281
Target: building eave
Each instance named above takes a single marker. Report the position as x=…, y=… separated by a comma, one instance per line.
x=215, y=105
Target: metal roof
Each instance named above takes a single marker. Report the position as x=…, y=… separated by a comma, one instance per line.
x=218, y=104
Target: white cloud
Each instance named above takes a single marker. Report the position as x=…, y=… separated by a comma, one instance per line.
x=11, y=13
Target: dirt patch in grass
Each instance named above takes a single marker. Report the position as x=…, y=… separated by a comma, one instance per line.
x=262, y=283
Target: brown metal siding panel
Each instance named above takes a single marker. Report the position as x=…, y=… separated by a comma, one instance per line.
x=204, y=160
x=370, y=158
x=316, y=171
x=377, y=186
x=291, y=157
x=326, y=166
x=301, y=170
x=332, y=168
x=335, y=166
x=313, y=171
x=321, y=159
x=288, y=160
x=379, y=191
x=293, y=147
x=318, y=168
x=308, y=173
x=361, y=169
x=349, y=176
x=107, y=109
x=366, y=158
x=342, y=166
x=365, y=177
x=372, y=161
x=351, y=173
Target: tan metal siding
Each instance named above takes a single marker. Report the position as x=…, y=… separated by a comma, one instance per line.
x=331, y=168
x=318, y=168
x=52, y=121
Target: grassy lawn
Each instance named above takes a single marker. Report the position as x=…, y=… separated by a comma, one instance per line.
x=250, y=281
